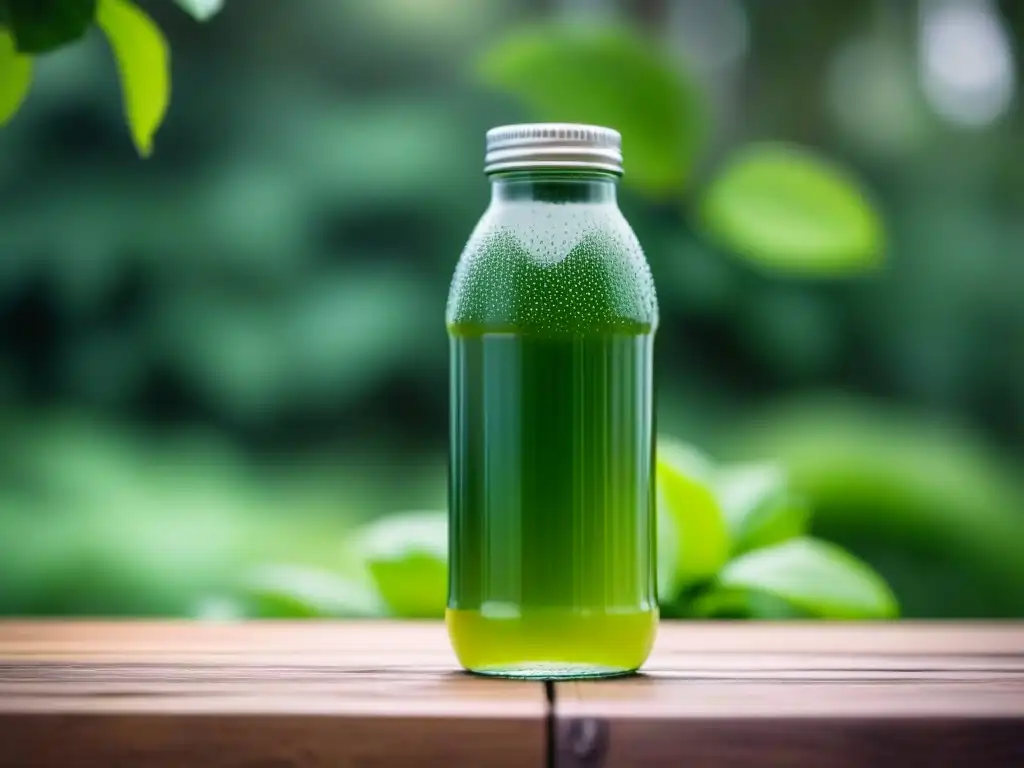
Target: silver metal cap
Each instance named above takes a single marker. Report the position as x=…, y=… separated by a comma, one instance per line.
x=553, y=145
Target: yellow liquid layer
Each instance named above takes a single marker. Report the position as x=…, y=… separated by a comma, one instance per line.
x=552, y=643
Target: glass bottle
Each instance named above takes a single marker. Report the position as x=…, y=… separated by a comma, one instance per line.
x=551, y=318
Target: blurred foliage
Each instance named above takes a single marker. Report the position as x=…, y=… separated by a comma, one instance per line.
x=97, y=520
x=692, y=518
x=813, y=577
x=789, y=210
x=295, y=592
x=203, y=10
x=937, y=514
x=270, y=273
x=405, y=557
x=759, y=507
x=40, y=26
x=762, y=565
x=606, y=76
x=780, y=206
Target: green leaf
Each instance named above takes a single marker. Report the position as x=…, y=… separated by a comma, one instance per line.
x=926, y=502
x=668, y=555
x=610, y=77
x=201, y=10
x=407, y=557
x=40, y=26
x=786, y=209
x=758, y=506
x=15, y=77
x=685, y=482
x=288, y=591
x=813, y=576
x=143, y=60
x=744, y=604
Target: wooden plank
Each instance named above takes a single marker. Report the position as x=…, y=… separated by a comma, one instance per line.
x=259, y=694
x=806, y=695
x=265, y=741
x=408, y=643
x=913, y=638
x=376, y=693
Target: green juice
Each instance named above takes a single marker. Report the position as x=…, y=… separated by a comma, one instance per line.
x=551, y=320
x=551, y=491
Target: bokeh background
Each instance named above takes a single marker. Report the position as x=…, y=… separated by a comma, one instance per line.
x=217, y=363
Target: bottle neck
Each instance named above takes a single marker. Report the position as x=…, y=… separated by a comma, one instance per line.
x=554, y=187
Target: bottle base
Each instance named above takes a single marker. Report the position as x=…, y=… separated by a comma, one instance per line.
x=552, y=644
x=551, y=671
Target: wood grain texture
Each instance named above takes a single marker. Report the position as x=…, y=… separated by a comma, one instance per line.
x=404, y=643
x=262, y=694
x=280, y=694
x=807, y=695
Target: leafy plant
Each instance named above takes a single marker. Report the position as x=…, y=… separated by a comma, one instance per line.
x=781, y=207
x=813, y=576
x=770, y=566
x=736, y=536
x=693, y=527
x=406, y=556
x=933, y=509
x=759, y=507
x=30, y=28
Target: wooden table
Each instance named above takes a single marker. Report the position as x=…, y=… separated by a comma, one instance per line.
x=273, y=695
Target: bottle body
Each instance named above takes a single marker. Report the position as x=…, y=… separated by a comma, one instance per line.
x=551, y=320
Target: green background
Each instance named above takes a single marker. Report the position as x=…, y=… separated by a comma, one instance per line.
x=217, y=363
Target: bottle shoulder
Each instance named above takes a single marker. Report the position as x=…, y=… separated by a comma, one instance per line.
x=557, y=267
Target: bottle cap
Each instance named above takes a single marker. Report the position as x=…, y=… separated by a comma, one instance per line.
x=533, y=146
